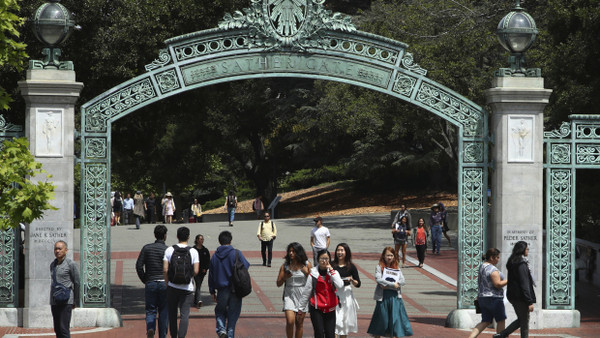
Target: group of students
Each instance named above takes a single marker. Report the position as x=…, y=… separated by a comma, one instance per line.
x=325, y=291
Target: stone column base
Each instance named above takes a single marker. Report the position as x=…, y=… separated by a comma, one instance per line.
x=11, y=317
x=539, y=319
x=41, y=317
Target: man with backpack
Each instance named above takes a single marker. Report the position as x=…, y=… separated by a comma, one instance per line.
x=223, y=283
x=267, y=232
x=230, y=205
x=180, y=265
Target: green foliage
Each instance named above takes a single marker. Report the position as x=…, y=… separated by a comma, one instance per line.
x=12, y=52
x=20, y=199
x=305, y=178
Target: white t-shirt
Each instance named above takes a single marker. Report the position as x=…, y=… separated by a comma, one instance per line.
x=320, y=237
x=195, y=259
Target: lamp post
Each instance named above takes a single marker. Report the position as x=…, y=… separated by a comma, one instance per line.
x=517, y=32
x=52, y=25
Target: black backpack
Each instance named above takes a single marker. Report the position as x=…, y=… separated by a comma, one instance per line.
x=118, y=205
x=181, y=270
x=242, y=285
x=262, y=224
x=231, y=201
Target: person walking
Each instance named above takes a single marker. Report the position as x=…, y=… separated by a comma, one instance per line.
x=139, y=208
x=320, y=238
x=168, y=207
x=320, y=291
x=267, y=233
x=64, y=290
x=229, y=305
x=151, y=208
x=230, y=205
x=196, y=209
x=436, y=222
x=520, y=292
x=445, y=227
x=293, y=273
x=257, y=206
x=400, y=232
x=128, y=209
x=389, y=317
x=180, y=265
x=117, y=207
x=490, y=296
x=149, y=267
x=346, y=314
x=204, y=256
x=421, y=241
x=402, y=212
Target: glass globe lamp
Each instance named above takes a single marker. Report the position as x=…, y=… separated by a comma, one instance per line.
x=517, y=32
x=52, y=25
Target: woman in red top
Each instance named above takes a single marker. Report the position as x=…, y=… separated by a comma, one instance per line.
x=421, y=241
x=320, y=290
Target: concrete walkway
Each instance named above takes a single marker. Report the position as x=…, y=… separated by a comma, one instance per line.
x=429, y=294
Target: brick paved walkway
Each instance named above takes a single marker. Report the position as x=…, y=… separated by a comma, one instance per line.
x=429, y=294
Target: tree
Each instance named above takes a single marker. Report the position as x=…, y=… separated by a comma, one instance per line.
x=12, y=52
x=21, y=201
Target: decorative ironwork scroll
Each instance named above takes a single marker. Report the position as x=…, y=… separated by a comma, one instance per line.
x=279, y=38
x=9, y=241
x=575, y=145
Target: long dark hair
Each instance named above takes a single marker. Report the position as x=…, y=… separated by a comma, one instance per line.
x=298, y=250
x=517, y=253
x=336, y=263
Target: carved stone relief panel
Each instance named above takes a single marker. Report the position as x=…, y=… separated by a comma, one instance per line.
x=49, y=132
x=520, y=138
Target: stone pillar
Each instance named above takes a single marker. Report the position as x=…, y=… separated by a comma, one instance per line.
x=517, y=178
x=50, y=96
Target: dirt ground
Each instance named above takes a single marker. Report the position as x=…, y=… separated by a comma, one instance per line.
x=335, y=199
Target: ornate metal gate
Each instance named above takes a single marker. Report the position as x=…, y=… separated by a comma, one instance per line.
x=575, y=145
x=10, y=239
x=258, y=43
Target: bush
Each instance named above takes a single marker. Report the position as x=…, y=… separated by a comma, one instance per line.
x=305, y=178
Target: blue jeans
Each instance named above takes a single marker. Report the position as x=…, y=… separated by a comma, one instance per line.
x=227, y=311
x=231, y=212
x=156, y=303
x=436, y=238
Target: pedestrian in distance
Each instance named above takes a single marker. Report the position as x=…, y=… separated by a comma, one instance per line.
x=168, y=207
x=149, y=267
x=117, y=207
x=400, y=232
x=402, y=212
x=220, y=271
x=294, y=273
x=389, y=317
x=257, y=206
x=346, y=314
x=139, y=208
x=196, y=209
x=230, y=205
x=151, y=208
x=490, y=294
x=421, y=241
x=64, y=290
x=128, y=209
x=320, y=238
x=204, y=256
x=436, y=220
x=266, y=234
x=319, y=294
x=180, y=265
x=520, y=292
x=445, y=227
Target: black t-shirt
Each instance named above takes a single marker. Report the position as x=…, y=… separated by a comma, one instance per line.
x=346, y=271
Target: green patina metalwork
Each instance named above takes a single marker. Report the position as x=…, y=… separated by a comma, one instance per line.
x=9, y=239
x=291, y=38
x=575, y=145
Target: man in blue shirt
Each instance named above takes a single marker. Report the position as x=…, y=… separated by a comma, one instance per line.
x=229, y=305
x=128, y=209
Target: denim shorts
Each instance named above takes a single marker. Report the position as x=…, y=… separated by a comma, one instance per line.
x=492, y=307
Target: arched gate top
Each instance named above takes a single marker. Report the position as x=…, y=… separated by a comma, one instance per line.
x=284, y=38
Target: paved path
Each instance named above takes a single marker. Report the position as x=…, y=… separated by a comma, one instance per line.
x=429, y=294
